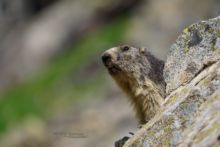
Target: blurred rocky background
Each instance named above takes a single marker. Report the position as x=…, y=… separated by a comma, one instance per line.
x=54, y=90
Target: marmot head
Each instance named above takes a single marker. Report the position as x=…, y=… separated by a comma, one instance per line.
x=138, y=73
x=126, y=63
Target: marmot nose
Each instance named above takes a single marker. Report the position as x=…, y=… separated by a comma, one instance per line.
x=106, y=57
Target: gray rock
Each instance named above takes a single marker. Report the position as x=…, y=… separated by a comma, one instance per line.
x=191, y=113
x=195, y=49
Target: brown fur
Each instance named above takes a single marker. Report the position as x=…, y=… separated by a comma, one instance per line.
x=140, y=75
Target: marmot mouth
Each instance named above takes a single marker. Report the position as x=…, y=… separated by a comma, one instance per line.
x=114, y=69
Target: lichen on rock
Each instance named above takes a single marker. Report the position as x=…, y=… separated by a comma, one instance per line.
x=197, y=47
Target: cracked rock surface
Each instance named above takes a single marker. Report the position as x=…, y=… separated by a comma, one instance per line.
x=196, y=48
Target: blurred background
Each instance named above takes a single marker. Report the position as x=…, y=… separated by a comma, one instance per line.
x=54, y=90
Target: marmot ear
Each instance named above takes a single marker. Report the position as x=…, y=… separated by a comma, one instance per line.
x=142, y=50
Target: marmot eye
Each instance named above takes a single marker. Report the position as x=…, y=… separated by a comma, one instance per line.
x=125, y=48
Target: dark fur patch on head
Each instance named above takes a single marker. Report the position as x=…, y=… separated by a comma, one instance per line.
x=142, y=78
x=114, y=69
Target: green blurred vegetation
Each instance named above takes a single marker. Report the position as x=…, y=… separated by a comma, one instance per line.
x=52, y=90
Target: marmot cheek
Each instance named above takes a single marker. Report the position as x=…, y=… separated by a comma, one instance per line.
x=114, y=69
x=128, y=57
